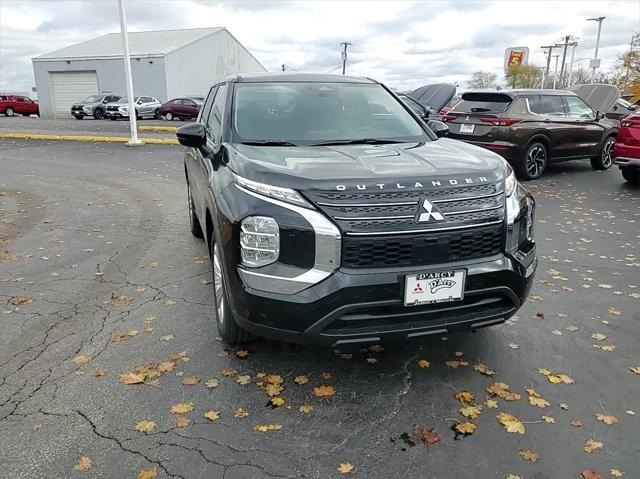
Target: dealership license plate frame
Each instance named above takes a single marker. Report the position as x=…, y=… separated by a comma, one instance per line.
x=439, y=296
x=467, y=128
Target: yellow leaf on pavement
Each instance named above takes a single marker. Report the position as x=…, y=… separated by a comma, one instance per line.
x=491, y=403
x=239, y=412
x=83, y=464
x=456, y=364
x=182, y=421
x=617, y=473
x=306, y=408
x=471, y=412
x=277, y=401
x=549, y=419
x=483, y=369
x=242, y=354
x=346, y=468
x=464, y=396
x=324, y=391
x=267, y=427
x=81, y=359
x=132, y=378
x=607, y=418
x=302, y=379
x=466, y=427
x=529, y=455
x=191, y=380
x=592, y=446
x=147, y=474
x=511, y=423
x=182, y=408
x=423, y=363
x=145, y=426
x=212, y=415
x=536, y=400
x=243, y=379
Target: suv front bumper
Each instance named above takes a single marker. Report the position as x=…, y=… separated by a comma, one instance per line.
x=356, y=307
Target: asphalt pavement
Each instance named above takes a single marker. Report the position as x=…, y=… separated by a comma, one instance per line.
x=100, y=277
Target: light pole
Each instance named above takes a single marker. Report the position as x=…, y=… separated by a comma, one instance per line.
x=134, y=141
x=595, y=63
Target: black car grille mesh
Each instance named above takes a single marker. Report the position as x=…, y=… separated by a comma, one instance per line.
x=421, y=249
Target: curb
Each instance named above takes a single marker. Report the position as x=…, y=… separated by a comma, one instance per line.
x=103, y=139
x=157, y=128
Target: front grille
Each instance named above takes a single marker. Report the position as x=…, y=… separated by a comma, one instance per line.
x=363, y=213
x=421, y=249
x=112, y=108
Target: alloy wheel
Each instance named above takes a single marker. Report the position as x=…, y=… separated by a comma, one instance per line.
x=607, y=153
x=536, y=159
x=169, y=116
x=218, y=284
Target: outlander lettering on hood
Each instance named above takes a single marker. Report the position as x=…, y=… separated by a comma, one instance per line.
x=333, y=215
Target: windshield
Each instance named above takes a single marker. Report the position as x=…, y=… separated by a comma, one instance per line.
x=126, y=100
x=92, y=99
x=311, y=113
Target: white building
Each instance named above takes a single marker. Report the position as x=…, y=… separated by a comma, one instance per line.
x=165, y=64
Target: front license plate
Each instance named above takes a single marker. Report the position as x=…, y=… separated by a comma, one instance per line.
x=435, y=287
x=465, y=128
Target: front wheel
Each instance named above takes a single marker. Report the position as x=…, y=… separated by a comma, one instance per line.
x=605, y=159
x=631, y=174
x=168, y=116
x=78, y=117
x=9, y=112
x=229, y=330
x=534, y=162
x=98, y=114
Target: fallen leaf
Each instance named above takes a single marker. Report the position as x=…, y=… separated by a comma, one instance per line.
x=470, y=412
x=168, y=337
x=423, y=363
x=465, y=428
x=147, y=474
x=242, y=354
x=376, y=348
x=576, y=423
x=182, y=421
x=166, y=366
x=536, y=400
x=81, y=359
x=549, y=419
x=599, y=336
x=634, y=369
x=511, y=423
x=306, y=408
x=564, y=406
x=607, y=418
x=617, y=473
x=132, y=378
x=145, y=426
x=592, y=446
x=512, y=476
x=614, y=311
x=273, y=389
x=83, y=464
x=277, y=401
x=302, y=379
x=491, y=403
x=456, y=364
x=18, y=300
x=483, y=369
x=239, y=412
x=539, y=316
x=503, y=391
x=100, y=372
x=326, y=375
x=267, y=427
x=182, y=408
x=212, y=415
x=372, y=360
x=589, y=474
x=529, y=455
x=346, y=468
x=191, y=380
x=228, y=372
x=513, y=346
x=420, y=433
x=324, y=391
x=464, y=396
x=243, y=379
x=212, y=383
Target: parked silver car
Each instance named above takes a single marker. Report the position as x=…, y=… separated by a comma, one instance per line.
x=94, y=105
x=146, y=106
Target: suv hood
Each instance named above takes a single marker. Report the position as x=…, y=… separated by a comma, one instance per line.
x=599, y=97
x=323, y=167
x=434, y=96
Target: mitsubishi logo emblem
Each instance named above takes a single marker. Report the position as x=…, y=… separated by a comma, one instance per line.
x=429, y=212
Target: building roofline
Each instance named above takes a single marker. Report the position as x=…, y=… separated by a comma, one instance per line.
x=97, y=57
x=244, y=48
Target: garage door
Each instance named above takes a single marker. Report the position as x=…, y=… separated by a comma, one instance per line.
x=71, y=87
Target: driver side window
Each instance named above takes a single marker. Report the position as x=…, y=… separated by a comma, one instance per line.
x=578, y=109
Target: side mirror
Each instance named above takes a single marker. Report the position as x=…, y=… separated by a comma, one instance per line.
x=105, y=101
x=599, y=115
x=193, y=135
x=438, y=127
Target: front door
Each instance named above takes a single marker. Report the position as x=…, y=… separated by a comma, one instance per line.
x=586, y=131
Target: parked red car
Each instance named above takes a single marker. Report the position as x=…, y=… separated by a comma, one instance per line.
x=626, y=153
x=180, y=108
x=12, y=104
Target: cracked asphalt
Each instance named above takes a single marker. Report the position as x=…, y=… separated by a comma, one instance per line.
x=94, y=244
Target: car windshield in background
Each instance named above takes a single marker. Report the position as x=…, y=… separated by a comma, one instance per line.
x=482, y=103
x=313, y=113
x=92, y=99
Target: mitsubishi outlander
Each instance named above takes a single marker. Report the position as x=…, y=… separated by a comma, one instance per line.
x=335, y=215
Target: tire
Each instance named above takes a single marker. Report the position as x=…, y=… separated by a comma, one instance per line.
x=194, y=223
x=229, y=330
x=112, y=118
x=631, y=174
x=534, y=162
x=78, y=117
x=605, y=159
x=156, y=114
x=168, y=116
x=9, y=112
x=98, y=114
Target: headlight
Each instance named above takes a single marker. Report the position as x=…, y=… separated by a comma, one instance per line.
x=259, y=241
x=277, y=192
x=529, y=220
x=513, y=206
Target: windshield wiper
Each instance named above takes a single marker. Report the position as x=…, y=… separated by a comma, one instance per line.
x=356, y=141
x=268, y=143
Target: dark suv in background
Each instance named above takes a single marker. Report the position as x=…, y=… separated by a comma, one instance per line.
x=531, y=128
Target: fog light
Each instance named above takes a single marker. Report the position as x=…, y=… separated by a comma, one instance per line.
x=259, y=241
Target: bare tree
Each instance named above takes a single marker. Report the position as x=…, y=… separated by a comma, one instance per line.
x=482, y=79
x=581, y=76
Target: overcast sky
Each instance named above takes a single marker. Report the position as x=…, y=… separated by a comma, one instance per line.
x=404, y=44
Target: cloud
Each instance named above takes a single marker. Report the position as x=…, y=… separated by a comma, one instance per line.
x=403, y=43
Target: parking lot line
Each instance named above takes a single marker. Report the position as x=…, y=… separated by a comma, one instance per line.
x=92, y=138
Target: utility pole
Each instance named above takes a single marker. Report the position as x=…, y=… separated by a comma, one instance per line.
x=545, y=73
x=573, y=54
x=595, y=63
x=283, y=67
x=344, y=55
x=134, y=141
x=555, y=72
x=564, y=57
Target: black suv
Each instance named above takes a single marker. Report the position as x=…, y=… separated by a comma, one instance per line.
x=334, y=215
x=531, y=128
